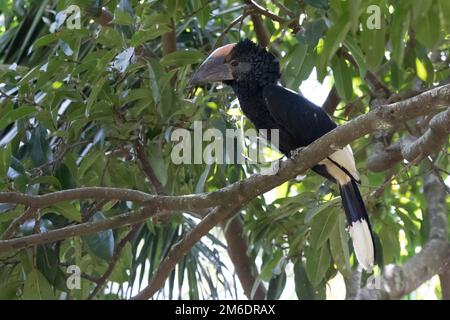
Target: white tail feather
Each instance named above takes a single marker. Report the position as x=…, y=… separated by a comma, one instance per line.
x=362, y=243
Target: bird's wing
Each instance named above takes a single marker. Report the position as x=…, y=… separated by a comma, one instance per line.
x=300, y=117
x=307, y=122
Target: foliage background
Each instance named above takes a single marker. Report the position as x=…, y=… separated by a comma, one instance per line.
x=76, y=105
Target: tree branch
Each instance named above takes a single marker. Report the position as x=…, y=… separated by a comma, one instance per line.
x=260, y=10
x=244, y=266
x=219, y=40
x=352, y=284
x=15, y=224
x=331, y=102
x=444, y=278
x=147, y=169
x=169, y=40
x=102, y=280
x=82, y=229
x=413, y=149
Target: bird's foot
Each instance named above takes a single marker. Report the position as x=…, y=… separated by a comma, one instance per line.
x=295, y=152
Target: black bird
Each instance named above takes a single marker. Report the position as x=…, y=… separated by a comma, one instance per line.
x=254, y=75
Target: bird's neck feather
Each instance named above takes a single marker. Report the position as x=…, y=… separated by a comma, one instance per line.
x=252, y=103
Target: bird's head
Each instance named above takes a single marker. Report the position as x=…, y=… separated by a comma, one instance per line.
x=238, y=62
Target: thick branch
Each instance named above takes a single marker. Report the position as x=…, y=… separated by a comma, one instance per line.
x=444, y=278
x=188, y=202
x=331, y=102
x=413, y=149
x=169, y=40
x=352, y=284
x=82, y=229
x=244, y=266
x=261, y=32
x=431, y=140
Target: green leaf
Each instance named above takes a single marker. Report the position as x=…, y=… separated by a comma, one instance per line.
x=158, y=163
x=65, y=177
x=400, y=24
x=182, y=58
x=204, y=13
x=444, y=9
x=39, y=149
x=318, y=209
x=321, y=4
x=356, y=52
x=276, y=286
x=322, y=225
x=303, y=287
x=373, y=45
x=9, y=290
x=110, y=37
x=123, y=15
x=339, y=247
x=354, y=7
x=342, y=79
x=88, y=162
x=154, y=82
x=101, y=243
x=294, y=65
x=136, y=94
x=335, y=36
x=155, y=31
x=14, y=115
x=50, y=180
x=47, y=262
x=267, y=269
x=312, y=32
x=389, y=239
x=37, y=287
x=428, y=26
x=317, y=264
x=45, y=40
x=123, y=265
x=98, y=86
x=66, y=209
x=5, y=160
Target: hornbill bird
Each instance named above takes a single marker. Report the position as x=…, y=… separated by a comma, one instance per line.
x=253, y=73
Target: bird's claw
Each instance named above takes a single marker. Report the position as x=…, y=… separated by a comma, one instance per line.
x=295, y=152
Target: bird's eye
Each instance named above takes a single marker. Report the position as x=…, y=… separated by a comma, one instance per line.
x=234, y=63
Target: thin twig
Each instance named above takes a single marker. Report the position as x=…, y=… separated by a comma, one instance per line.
x=102, y=280
x=16, y=223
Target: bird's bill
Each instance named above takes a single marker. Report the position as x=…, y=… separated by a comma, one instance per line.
x=214, y=68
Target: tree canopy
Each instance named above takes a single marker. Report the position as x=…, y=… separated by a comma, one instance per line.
x=92, y=205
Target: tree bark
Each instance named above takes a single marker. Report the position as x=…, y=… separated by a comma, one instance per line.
x=244, y=266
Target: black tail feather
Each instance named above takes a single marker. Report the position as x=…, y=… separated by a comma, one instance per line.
x=356, y=214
